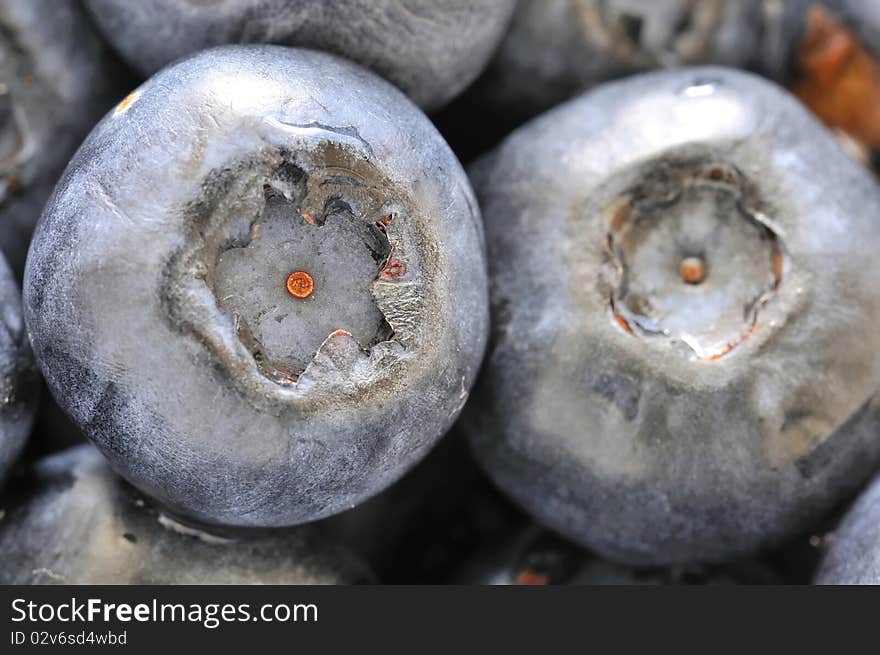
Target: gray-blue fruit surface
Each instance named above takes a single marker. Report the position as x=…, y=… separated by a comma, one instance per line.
x=684, y=361
x=159, y=292
x=56, y=80
x=853, y=555
x=555, y=49
x=19, y=379
x=71, y=521
x=431, y=49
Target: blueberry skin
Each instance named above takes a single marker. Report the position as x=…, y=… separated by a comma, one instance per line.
x=625, y=431
x=194, y=183
x=19, y=379
x=58, y=80
x=555, y=49
x=853, y=556
x=71, y=521
x=432, y=50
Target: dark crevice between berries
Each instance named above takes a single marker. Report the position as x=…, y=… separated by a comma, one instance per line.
x=18, y=78
x=695, y=258
x=14, y=149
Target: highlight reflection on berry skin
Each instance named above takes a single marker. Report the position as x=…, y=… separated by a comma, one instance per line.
x=687, y=412
x=274, y=306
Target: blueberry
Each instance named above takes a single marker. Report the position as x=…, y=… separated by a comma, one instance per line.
x=684, y=361
x=19, y=380
x=260, y=286
x=557, y=48
x=853, y=549
x=56, y=80
x=432, y=50
x=71, y=521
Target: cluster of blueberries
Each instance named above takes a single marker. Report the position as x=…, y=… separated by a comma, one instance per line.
x=263, y=287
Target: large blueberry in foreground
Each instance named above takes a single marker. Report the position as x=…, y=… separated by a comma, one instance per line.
x=853, y=556
x=19, y=380
x=56, y=81
x=260, y=286
x=684, y=362
x=431, y=49
x=71, y=521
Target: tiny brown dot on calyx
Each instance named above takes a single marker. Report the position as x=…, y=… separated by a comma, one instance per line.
x=693, y=270
x=300, y=284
